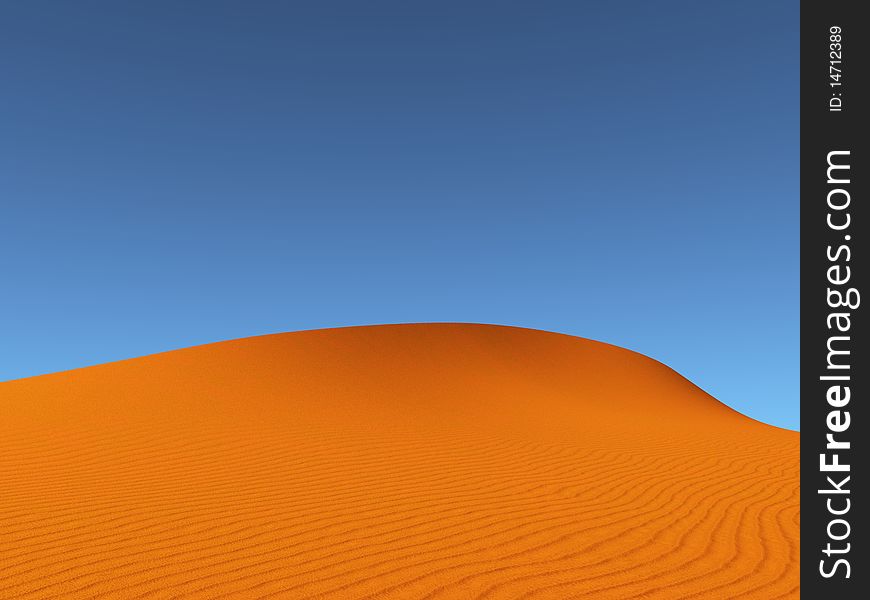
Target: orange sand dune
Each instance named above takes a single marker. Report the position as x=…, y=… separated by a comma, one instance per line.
x=401, y=461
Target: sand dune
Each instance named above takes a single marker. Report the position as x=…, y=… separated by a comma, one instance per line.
x=408, y=461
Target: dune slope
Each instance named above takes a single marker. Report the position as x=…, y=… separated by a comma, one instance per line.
x=403, y=461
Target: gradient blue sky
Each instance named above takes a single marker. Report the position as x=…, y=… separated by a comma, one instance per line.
x=175, y=173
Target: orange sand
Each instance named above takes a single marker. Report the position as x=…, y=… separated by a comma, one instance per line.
x=405, y=461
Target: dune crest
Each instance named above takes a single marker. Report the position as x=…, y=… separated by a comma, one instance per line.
x=398, y=461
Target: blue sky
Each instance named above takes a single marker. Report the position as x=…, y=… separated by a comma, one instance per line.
x=176, y=173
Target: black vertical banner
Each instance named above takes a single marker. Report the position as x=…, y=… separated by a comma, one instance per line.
x=835, y=373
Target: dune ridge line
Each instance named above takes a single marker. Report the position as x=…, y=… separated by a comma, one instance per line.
x=435, y=461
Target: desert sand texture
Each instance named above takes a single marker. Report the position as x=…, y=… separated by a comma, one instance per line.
x=431, y=461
